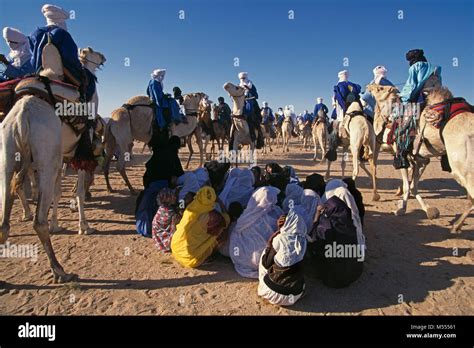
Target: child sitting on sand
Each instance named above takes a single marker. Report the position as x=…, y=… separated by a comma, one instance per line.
x=165, y=220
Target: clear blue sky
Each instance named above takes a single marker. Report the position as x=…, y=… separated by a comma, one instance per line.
x=290, y=61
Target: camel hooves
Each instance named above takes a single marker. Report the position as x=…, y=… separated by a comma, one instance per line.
x=27, y=218
x=432, y=213
x=55, y=229
x=64, y=278
x=400, y=212
x=456, y=229
x=376, y=197
x=87, y=231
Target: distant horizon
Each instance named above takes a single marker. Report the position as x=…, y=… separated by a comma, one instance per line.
x=291, y=61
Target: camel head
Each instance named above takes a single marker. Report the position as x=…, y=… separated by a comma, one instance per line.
x=383, y=93
x=438, y=95
x=234, y=90
x=90, y=59
x=191, y=101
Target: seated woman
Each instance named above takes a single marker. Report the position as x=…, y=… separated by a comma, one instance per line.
x=196, y=236
x=293, y=196
x=281, y=278
x=165, y=220
x=253, y=229
x=238, y=187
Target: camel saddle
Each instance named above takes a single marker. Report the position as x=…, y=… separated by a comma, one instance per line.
x=447, y=110
x=49, y=90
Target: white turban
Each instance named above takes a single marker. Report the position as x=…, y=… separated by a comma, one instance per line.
x=343, y=75
x=379, y=72
x=243, y=75
x=319, y=100
x=265, y=104
x=158, y=75
x=55, y=15
x=12, y=34
x=19, y=49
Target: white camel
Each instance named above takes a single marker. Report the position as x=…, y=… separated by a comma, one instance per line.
x=319, y=133
x=240, y=127
x=456, y=140
x=359, y=134
x=287, y=129
x=133, y=121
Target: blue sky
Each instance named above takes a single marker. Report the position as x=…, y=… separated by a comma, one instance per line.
x=290, y=61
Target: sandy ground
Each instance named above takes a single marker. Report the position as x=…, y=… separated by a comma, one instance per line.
x=414, y=265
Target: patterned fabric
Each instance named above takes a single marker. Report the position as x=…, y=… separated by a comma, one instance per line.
x=163, y=227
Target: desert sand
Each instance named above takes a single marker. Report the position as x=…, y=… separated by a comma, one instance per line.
x=414, y=266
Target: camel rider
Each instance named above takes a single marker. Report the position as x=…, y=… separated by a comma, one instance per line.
x=380, y=76
x=178, y=95
x=224, y=113
x=166, y=108
x=422, y=76
x=17, y=62
x=56, y=29
x=268, y=119
x=320, y=105
x=280, y=116
x=251, y=106
x=345, y=92
x=306, y=118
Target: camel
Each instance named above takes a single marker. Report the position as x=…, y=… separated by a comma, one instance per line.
x=359, y=134
x=456, y=140
x=305, y=131
x=287, y=130
x=31, y=141
x=134, y=120
x=265, y=128
x=240, y=127
x=207, y=123
x=91, y=60
x=278, y=139
x=319, y=133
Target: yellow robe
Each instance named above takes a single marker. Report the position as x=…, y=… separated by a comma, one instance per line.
x=191, y=245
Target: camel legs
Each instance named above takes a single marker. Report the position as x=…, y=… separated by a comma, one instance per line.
x=315, y=150
x=47, y=179
x=431, y=212
x=109, y=152
x=405, y=193
x=198, y=135
x=54, y=225
x=190, y=149
x=81, y=193
x=7, y=203
x=373, y=175
x=458, y=223
x=121, y=170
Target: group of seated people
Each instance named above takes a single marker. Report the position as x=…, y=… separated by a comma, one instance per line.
x=272, y=226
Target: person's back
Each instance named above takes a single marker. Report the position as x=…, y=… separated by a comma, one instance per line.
x=56, y=30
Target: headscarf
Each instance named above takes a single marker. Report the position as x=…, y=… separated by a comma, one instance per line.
x=416, y=55
x=55, y=15
x=19, y=49
x=293, y=195
x=238, y=187
x=265, y=104
x=263, y=201
x=159, y=75
x=202, y=176
x=243, y=75
x=319, y=100
x=316, y=183
x=204, y=201
x=343, y=75
x=309, y=202
x=379, y=72
x=290, y=244
x=334, y=184
x=189, y=183
x=167, y=196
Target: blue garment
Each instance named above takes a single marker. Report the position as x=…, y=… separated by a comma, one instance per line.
x=307, y=118
x=268, y=117
x=369, y=108
x=64, y=43
x=417, y=76
x=318, y=107
x=252, y=92
x=11, y=72
x=384, y=82
x=343, y=89
x=92, y=84
x=334, y=114
x=147, y=207
x=162, y=102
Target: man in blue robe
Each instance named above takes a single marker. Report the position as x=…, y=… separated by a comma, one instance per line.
x=56, y=29
x=345, y=92
x=251, y=109
x=320, y=106
x=166, y=108
x=17, y=63
x=419, y=73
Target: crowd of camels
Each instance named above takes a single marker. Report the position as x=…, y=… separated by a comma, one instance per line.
x=33, y=131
